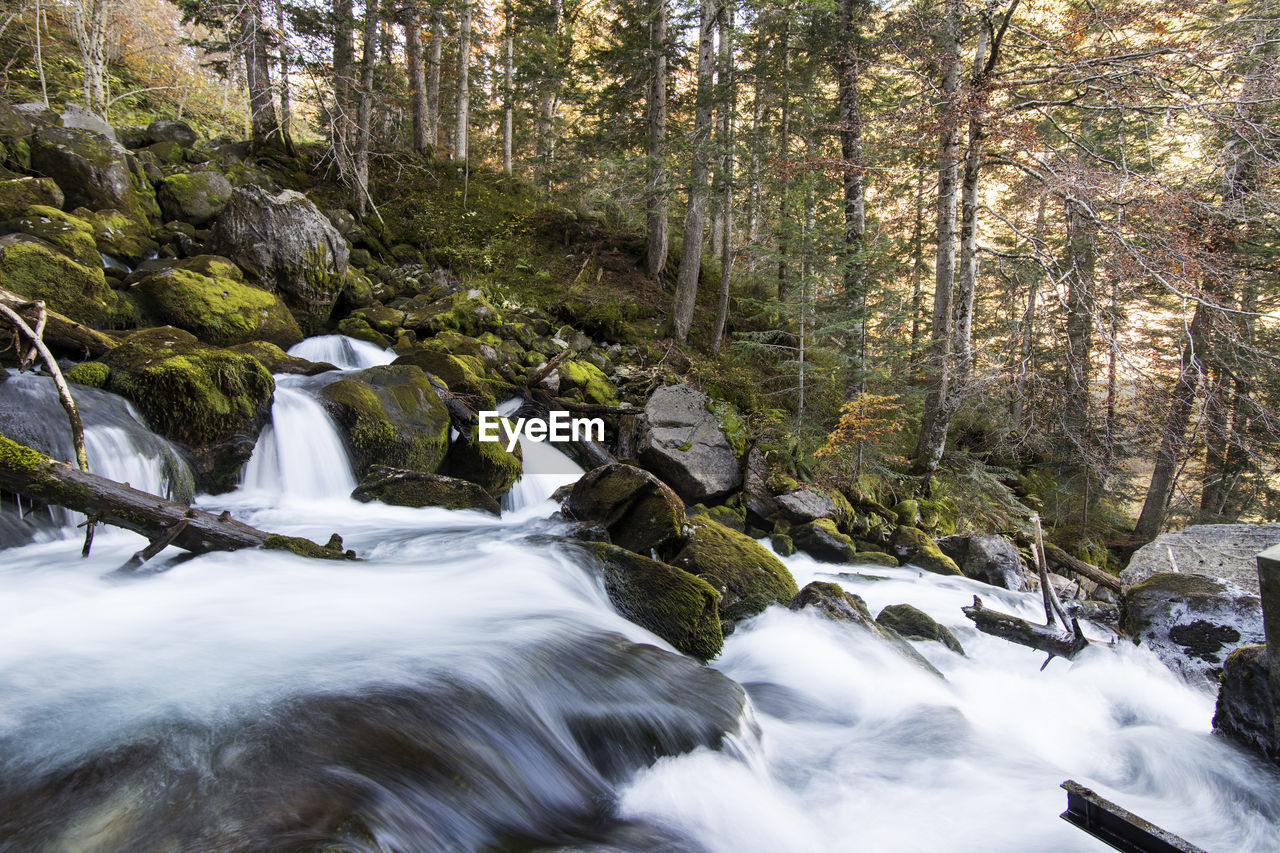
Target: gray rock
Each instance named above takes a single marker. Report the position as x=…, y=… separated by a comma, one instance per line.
x=91, y=169
x=804, y=505
x=833, y=602
x=289, y=246
x=1224, y=551
x=987, y=558
x=76, y=116
x=821, y=540
x=171, y=130
x=755, y=491
x=1192, y=622
x=1246, y=709
x=640, y=512
x=682, y=442
x=196, y=197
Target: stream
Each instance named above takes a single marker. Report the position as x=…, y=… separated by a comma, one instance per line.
x=468, y=686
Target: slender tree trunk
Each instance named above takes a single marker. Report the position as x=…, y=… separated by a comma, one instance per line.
x=44, y=89
x=544, y=126
x=344, y=61
x=415, y=59
x=917, y=271
x=508, y=84
x=727, y=106
x=286, y=95
x=364, y=114
x=696, y=214
x=966, y=282
x=936, y=417
x=433, y=77
x=262, y=113
x=849, y=61
x=89, y=24
x=1173, y=440
x=656, y=190
x=1026, y=350
x=1242, y=407
x=753, y=177
x=784, y=152
x=1216, y=412
x=1081, y=261
x=464, y=87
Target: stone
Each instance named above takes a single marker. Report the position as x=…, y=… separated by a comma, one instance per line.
x=485, y=463
x=215, y=308
x=79, y=118
x=681, y=439
x=803, y=505
x=391, y=416
x=821, y=540
x=834, y=603
x=915, y=624
x=1191, y=622
x=914, y=547
x=70, y=234
x=1246, y=709
x=277, y=360
x=195, y=197
x=1224, y=551
x=288, y=246
x=18, y=194
x=91, y=170
x=418, y=489
x=756, y=494
x=746, y=575
x=171, y=130
x=37, y=270
x=120, y=236
x=641, y=513
x=988, y=558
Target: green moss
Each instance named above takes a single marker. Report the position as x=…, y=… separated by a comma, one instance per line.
x=907, y=512
x=467, y=311
x=485, y=463
x=748, y=577
x=915, y=624
x=354, y=327
x=37, y=271
x=20, y=194
x=119, y=235
x=91, y=373
x=220, y=311
x=392, y=417
x=782, y=543
x=307, y=548
x=589, y=380
x=71, y=234
x=731, y=424
x=917, y=548
x=418, y=489
x=18, y=457
x=462, y=373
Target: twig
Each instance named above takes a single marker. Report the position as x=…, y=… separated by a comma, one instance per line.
x=546, y=369
x=1052, y=606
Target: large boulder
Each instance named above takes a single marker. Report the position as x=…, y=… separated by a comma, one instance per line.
x=70, y=234
x=488, y=464
x=171, y=130
x=686, y=440
x=465, y=311
x=832, y=602
x=208, y=300
x=746, y=575
x=391, y=416
x=640, y=512
x=821, y=540
x=914, y=547
x=1224, y=551
x=80, y=118
x=18, y=194
x=210, y=400
x=802, y=505
x=677, y=606
x=195, y=197
x=120, y=236
x=37, y=270
x=914, y=624
x=289, y=246
x=756, y=493
x=988, y=558
x=1191, y=622
x=1246, y=711
x=91, y=170
x=418, y=489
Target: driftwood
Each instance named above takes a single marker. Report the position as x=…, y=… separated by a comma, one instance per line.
x=545, y=371
x=1044, y=638
x=32, y=474
x=1061, y=558
x=60, y=333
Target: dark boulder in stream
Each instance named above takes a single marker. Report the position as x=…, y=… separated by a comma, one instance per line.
x=640, y=512
x=417, y=489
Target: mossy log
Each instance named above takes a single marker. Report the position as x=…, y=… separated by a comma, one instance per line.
x=1024, y=633
x=62, y=334
x=1060, y=558
x=32, y=474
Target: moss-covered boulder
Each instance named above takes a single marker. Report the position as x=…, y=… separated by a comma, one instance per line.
x=585, y=381
x=37, y=270
x=1246, y=709
x=210, y=400
x=120, y=236
x=682, y=438
x=485, y=463
x=277, y=360
x=915, y=624
x=466, y=311
x=91, y=170
x=418, y=489
x=832, y=602
x=215, y=308
x=359, y=328
x=746, y=575
x=462, y=373
x=70, y=234
x=640, y=512
x=391, y=417
x=913, y=546
x=18, y=194
x=782, y=543
x=288, y=246
x=171, y=130
x=195, y=197
x=821, y=540
x=677, y=606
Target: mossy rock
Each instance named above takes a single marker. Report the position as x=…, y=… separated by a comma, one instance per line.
x=456, y=343
x=731, y=424
x=418, y=489
x=384, y=320
x=915, y=624
x=166, y=151
x=677, y=606
x=732, y=517
x=467, y=311
x=462, y=373
x=355, y=327
x=93, y=374
x=640, y=512
x=822, y=540
x=916, y=548
x=210, y=400
x=70, y=234
x=391, y=416
x=583, y=379
x=277, y=360
x=37, y=270
x=834, y=603
x=120, y=236
x=216, y=309
x=485, y=463
x=782, y=543
x=91, y=170
x=907, y=512
x=746, y=575
x=876, y=558
x=18, y=194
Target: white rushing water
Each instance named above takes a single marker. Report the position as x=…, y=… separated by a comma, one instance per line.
x=300, y=453
x=343, y=352
x=545, y=468
x=461, y=688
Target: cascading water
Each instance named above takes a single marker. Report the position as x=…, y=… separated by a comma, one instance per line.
x=545, y=469
x=300, y=453
x=467, y=686
x=343, y=352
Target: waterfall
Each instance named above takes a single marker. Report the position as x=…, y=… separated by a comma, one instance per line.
x=343, y=352
x=300, y=454
x=545, y=468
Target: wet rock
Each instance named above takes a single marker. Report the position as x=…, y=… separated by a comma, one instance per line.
x=803, y=505
x=640, y=512
x=18, y=194
x=120, y=236
x=70, y=234
x=683, y=440
x=915, y=547
x=195, y=197
x=1225, y=551
x=91, y=170
x=1191, y=622
x=988, y=558
x=485, y=463
x=418, y=489
x=463, y=374
x=832, y=601
x=915, y=624
x=38, y=270
x=276, y=360
x=171, y=130
x=1246, y=708
x=746, y=575
x=288, y=246
x=782, y=543
x=391, y=417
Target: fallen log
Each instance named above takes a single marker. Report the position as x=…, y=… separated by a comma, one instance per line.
x=60, y=333
x=1024, y=633
x=1061, y=558
x=32, y=474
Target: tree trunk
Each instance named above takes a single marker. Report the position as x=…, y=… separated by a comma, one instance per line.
x=433, y=77
x=784, y=153
x=917, y=271
x=89, y=24
x=1081, y=260
x=1164, y=475
x=655, y=148
x=936, y=416
x=968, y=273
x=415, y=59
x=696, y=214
x=464, y=87
x=253, y=37
x=364, y=114
x=849, y=60
x=753, y=178
x=508, y=84
x=344, y=62
x=286, y=96
x=727, y=105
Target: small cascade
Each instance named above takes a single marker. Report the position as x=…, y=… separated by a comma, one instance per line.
x=343, y=352
x=545, y=469
x=300, y=453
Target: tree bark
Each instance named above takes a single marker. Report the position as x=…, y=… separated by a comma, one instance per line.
x=253, y=37
x=849, y=61
x=784, y=153
x=415, y=60
x=433, y=77
x=364, y=116
x=64, y=336
x=936, y=416
x=696, y=215
x=728, y=103
x=464, y=86
x=344, y=62
x=508, y=85
x=966, y=283
x=89, y=24
x=1024, y=633
x=1081, y=261
x=655, y=147
x=286, y=95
